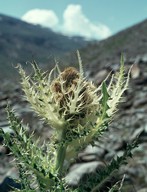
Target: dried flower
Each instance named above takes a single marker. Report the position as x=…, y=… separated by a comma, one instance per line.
x=75, y=96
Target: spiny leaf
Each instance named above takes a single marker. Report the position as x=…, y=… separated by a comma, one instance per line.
x=98, y=179
x=38, y=74
x=104, y=100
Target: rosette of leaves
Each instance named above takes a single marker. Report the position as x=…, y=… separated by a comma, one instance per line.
x=77, y=110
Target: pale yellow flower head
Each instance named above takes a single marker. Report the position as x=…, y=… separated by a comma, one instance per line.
x=69, y=102
x=67, y=99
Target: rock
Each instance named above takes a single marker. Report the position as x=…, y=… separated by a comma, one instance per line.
x=142, y=190
x=8, y=184
x=7, y=129
x=3, y=150
x=140, y=102
x=144, y=58
x=135, y=71
x=88, y=158
x=7, y=181
x=77, y=171
x=100, y=76
x=136, y=133
x=94, y=150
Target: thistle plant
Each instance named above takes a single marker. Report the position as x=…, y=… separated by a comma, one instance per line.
x=78, y=112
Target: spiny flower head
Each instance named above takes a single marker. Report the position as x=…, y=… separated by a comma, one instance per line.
x=67, y=101
x=75, y=96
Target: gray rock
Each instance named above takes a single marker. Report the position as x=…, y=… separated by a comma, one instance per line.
x=143, y=190
x=135, y=71
x=100, y=76
x=77, y=171
x=8, y=184
x=144, y=58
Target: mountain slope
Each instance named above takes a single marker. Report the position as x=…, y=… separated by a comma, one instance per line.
x=21, y=42
x=132, y=42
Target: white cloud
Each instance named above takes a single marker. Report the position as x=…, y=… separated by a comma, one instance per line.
x=43, y=17
x=74, y=22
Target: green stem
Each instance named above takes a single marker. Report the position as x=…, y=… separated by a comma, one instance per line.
x=61, y=152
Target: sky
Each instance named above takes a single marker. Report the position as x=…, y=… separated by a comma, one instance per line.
x=93, y=19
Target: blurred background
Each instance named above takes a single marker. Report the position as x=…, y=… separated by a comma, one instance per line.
x=52, y=31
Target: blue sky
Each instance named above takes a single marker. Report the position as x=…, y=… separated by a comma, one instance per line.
x=91, y=18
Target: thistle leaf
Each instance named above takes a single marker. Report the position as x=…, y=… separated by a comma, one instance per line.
x=96, y=181
x=104, y=101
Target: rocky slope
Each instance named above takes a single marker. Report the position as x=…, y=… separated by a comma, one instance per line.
x=130, y=121
x=131, y=42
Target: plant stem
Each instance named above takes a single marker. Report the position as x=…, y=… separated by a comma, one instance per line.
x=61, y=152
